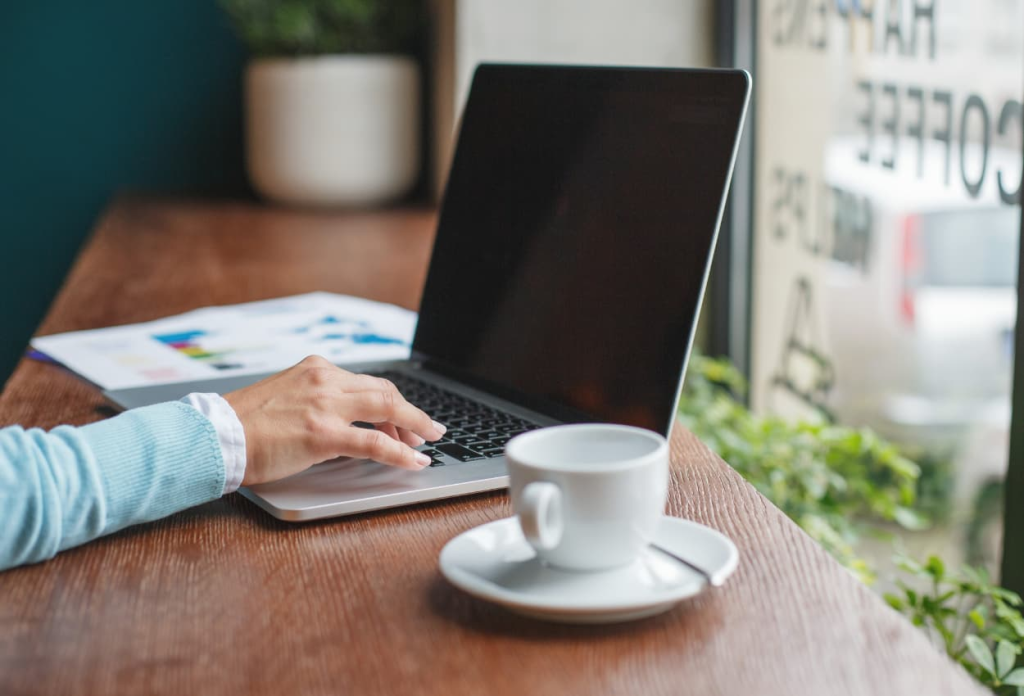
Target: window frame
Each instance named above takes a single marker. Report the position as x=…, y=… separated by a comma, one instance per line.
x=728, y=307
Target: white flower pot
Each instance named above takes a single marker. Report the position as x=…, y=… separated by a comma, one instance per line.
x=333, y=130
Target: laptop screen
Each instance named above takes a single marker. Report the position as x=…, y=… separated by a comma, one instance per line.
x=576, y=232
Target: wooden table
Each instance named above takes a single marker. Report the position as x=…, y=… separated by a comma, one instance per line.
x=224, y=599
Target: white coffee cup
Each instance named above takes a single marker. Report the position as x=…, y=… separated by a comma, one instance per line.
x=588, y=496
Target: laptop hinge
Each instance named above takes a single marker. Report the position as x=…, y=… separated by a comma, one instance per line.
x=533, y=403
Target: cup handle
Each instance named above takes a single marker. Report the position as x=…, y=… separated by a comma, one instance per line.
x=540, y=514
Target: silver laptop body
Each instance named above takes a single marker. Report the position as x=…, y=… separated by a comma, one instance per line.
x=346, y=486
x=555, y=292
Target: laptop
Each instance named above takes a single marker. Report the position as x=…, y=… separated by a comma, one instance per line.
x=572, y=251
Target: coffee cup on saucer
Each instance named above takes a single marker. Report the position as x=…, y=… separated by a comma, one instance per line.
x=588, y=497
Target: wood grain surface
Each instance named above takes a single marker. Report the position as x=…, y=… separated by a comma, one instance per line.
x=224, y=599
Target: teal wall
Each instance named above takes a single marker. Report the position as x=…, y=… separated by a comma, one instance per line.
x=97, y=97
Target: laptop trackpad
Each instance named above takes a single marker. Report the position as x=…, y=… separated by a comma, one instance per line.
x=344, y=478
x=346, y=486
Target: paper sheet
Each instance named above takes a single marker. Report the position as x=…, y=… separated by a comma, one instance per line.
x=235, y=340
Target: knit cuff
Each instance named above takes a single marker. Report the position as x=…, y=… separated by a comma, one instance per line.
x=230, y=435
x=156, y=461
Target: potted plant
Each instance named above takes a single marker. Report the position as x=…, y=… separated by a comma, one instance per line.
x=332, y=98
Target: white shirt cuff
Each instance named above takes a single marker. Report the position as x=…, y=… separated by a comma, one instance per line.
x=230, y=435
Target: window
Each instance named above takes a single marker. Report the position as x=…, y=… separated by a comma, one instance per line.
x=887, y=175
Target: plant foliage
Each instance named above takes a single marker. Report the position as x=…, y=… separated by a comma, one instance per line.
x=832, y=480
x=320, y=27
x=977, y=623
x=829, y=479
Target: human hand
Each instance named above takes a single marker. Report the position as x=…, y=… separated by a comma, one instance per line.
x=303, y=416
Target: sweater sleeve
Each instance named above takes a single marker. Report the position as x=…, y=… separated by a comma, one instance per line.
x=72, y=485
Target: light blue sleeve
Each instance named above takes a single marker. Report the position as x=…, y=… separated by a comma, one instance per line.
x=72, y=485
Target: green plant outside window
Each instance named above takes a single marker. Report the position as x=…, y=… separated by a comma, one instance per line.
x=837, y=483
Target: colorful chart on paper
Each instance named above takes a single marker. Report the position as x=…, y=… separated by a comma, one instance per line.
x=240, y=339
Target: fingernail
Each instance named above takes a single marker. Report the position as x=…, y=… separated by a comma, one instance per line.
x=417, y=437
x=422, y=459
x=439, y=428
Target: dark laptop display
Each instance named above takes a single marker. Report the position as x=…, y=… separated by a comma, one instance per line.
x=575, y=237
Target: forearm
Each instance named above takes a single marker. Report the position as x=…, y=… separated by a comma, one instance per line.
x=71, y=485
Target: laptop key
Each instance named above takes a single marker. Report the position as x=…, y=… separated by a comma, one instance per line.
x=436, y=458
x=472, y=427
x=459, y=452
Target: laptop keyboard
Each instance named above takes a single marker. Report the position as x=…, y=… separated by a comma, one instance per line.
x=475, y=431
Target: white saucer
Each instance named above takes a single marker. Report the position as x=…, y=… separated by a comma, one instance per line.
x=494, y=562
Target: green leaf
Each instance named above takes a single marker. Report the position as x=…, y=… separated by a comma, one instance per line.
x=1005, y=595
x=1015, y=678
x=977, y=619
x=936, y=568
x=982, y=654
x=909, y=565
x=894, y=601
x=975, y=575
x=1010, y=616
x=911, y=519
x=1006, y=655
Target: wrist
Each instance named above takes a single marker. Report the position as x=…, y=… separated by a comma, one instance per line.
x=230, y=435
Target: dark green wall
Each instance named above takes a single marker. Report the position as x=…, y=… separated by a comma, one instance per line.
x=97, y=97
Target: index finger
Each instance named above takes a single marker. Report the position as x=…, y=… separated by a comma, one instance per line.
x=391, y=407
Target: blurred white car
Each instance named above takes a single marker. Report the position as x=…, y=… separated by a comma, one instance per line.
x=920, y=326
